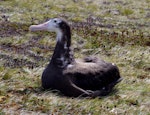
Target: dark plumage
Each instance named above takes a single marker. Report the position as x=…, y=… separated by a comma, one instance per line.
x=83, y=77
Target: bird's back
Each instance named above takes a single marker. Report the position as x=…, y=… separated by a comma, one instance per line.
x=92, y=73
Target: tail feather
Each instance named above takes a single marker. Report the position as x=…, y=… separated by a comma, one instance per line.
x=105, y=90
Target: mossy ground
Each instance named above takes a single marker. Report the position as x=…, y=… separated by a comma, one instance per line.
x=117, y=31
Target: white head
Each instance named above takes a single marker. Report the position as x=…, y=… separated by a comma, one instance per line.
x=53, y=25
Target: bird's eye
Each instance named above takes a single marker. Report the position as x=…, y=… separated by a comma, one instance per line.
x=55, y=21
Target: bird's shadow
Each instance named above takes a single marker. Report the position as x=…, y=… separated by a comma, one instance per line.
x=40, y=91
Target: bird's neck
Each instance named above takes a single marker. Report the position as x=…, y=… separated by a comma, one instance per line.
x=63, y=54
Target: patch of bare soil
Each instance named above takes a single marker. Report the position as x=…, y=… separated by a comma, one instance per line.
x=24, y=49
x=11, y=28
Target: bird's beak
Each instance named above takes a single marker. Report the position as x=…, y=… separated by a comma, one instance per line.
x=43, y=26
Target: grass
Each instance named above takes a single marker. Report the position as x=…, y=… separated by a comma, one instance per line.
x=117, y=31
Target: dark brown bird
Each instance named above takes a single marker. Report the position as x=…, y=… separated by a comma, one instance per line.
x=90, y=76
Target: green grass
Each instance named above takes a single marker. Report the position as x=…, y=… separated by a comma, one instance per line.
x=117, y=31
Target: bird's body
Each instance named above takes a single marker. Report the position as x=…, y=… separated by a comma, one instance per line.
x=90, y=76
